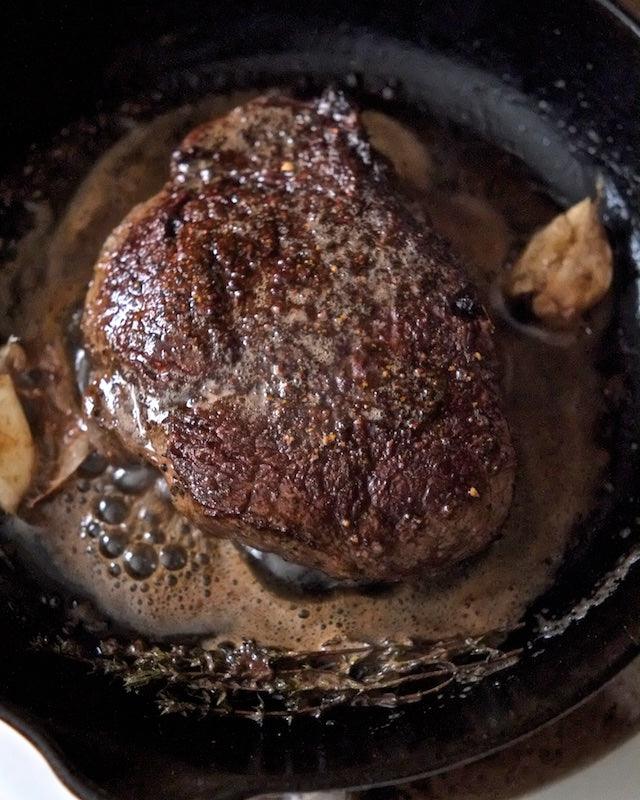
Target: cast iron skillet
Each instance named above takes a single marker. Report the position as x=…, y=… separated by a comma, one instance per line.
x=556, y=83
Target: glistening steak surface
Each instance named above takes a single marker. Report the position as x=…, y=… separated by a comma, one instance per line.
x=304, y=359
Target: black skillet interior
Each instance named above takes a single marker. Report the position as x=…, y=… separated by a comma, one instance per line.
x=557, y=84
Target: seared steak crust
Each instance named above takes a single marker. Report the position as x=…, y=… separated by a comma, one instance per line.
x=305, y=361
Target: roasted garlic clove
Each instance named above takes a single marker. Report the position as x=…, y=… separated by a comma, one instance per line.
x=566, y=268
x=17, y=451
x=409, y=156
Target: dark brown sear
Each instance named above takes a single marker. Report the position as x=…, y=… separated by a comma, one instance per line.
x=304, y=359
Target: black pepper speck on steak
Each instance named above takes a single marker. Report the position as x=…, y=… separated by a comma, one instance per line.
x=305, y=360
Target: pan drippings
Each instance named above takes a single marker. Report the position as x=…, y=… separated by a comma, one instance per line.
x=111, y=533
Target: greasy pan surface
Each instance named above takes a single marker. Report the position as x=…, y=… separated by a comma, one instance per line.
x=557, y=85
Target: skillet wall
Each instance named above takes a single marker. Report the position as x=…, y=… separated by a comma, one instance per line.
x=55, y=56
x=575, y=62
